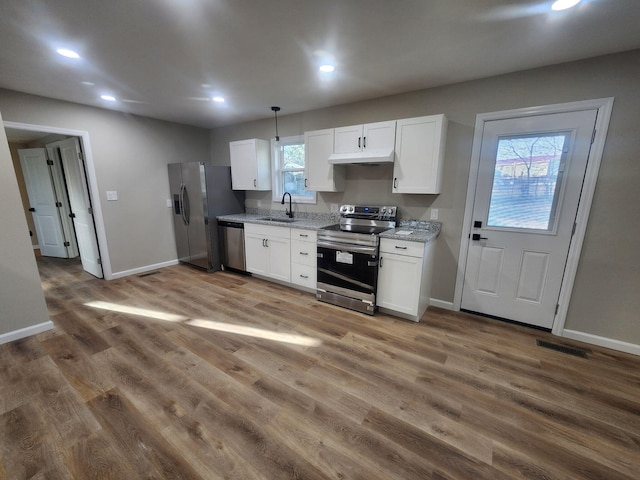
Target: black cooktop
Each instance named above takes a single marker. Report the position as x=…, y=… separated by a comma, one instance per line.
x=366, y=229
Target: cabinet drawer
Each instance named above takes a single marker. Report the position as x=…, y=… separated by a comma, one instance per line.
x=303, y=275
x=267, y=230
x=402, y=247
x=304, y=253
x=304, y=235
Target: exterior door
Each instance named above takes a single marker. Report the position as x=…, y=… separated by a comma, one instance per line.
x=80, y=205
x=530, y=177
x=42, y=201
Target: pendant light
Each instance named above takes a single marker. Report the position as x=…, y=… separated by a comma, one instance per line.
x=275, y=113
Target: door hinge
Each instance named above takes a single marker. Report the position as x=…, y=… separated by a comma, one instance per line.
x=90, y=210
x=58, y=204
x=49, y=162
x=80, y=156
x=67, y=244
x=99, y=261
x=573, y=230
x=593, y=136
x=557, y=307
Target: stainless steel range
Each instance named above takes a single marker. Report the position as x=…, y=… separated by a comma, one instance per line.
x=348, y=256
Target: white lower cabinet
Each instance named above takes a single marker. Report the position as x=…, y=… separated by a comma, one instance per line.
x=404, y=277
x=268, y=251
x=304, y=258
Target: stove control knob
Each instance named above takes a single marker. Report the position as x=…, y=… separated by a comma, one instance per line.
x=351, y=209
x=384, y=210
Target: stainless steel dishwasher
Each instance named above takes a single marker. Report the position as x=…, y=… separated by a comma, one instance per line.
x=231, y=236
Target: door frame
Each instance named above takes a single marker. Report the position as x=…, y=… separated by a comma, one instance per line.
x=604, y=107
x=92, y=186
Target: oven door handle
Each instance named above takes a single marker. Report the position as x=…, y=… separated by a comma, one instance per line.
x=344, y=247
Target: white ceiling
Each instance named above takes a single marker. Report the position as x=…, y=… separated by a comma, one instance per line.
x=156, y=55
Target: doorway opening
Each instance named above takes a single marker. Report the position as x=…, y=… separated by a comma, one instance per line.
x=56, y=165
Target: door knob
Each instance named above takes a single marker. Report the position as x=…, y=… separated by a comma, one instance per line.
x=476, y=237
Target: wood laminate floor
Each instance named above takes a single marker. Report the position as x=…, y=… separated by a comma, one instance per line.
x=182, y=374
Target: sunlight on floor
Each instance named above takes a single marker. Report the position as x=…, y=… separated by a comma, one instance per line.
x=210, y=324
x=143, y=312
x=255, y=332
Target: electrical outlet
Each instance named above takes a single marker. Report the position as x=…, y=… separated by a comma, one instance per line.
x=112, y=195
x=434, y=214
x=169, y=203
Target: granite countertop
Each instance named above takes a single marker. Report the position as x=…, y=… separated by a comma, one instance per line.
x=414, y=231
x=421, y=231
x=303, y=221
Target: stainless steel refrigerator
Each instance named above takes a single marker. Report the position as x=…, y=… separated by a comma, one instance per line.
x=200, y=192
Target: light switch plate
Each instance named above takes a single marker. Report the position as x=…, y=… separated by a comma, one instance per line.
x=169, y=203
x=434, y=214
x=112, y=195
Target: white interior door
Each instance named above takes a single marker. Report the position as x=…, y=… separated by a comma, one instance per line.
x=530, y=177
x=80, y=202
x=42, y=200
x=62, y=196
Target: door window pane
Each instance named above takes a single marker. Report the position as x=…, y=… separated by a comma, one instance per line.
x=526, y=182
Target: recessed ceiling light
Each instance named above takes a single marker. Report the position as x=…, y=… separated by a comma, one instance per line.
x=564, y=4
x=65, y=52
x=218, y=99
x=327, y=68
x=108, y=98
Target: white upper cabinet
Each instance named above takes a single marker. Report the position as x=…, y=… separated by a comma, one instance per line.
x=419, y=151
x=371, y=136
x=250, y=164
x=320, y=175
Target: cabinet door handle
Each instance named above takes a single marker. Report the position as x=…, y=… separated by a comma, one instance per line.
x=305, y=183
x=364, y=142
x=401, y=248
x=304, y=253
x=359, y=139
x=395, y=182
x=380, y=262
x=304, y=276
x=255, y=183
x=266, y=242
x=304, y=235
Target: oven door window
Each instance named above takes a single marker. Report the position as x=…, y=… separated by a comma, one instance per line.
x=353, y=271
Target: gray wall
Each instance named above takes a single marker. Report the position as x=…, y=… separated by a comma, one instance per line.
x=605, y=301
x=22, y=302
x=130, y=154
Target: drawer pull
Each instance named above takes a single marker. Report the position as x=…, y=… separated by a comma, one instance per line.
x=304, y=235
x=304, y=276
x=304, y=253
x=401, y=248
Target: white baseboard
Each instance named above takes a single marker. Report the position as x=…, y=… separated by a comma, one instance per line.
x=602, y=341
x=434, y=302
x=137, y=271
x=26, y=332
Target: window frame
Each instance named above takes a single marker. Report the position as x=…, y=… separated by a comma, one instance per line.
x=276, y=178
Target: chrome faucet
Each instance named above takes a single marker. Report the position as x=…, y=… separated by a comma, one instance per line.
x=290, y=211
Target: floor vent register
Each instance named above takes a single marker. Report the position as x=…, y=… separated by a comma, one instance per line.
x=576, y=352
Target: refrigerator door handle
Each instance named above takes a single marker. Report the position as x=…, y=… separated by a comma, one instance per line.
x=184, y=206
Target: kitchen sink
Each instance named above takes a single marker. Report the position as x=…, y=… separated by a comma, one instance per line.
x=278, y=219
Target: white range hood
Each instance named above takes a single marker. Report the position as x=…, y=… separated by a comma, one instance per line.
x=378, y=155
